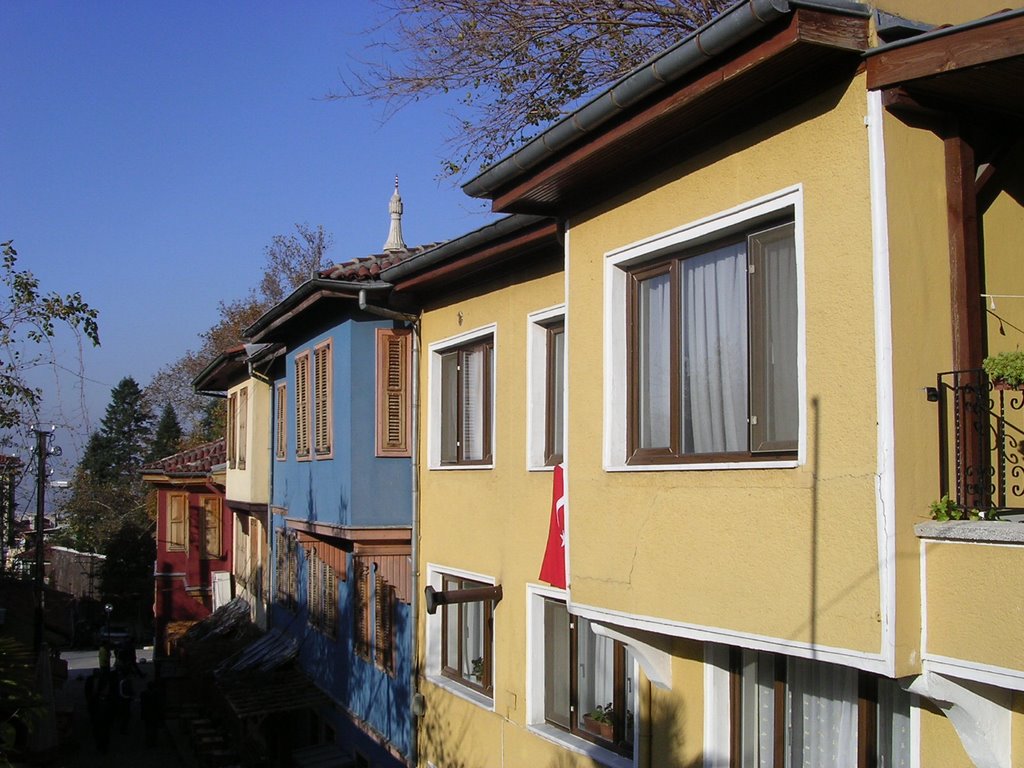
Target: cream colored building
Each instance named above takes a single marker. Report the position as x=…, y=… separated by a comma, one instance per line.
x=767, y=249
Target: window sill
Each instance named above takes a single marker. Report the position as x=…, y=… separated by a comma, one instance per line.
x=716, y=466
x=462, y=692
x=459, y=467
x=599, y=755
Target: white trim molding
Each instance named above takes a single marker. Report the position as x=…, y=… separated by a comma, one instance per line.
x=537, y=324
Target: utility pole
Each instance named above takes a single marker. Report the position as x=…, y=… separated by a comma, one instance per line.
x=42, y=451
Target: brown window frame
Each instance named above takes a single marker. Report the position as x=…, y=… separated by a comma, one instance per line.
x=394, y=392
x=281, y=436
x=242, y=425
x=552, y=429
x=671, y=265
x=867, y=713
x=323, y=400
x=212, y=539
x=449, y=457
x=620, y=704
x=453, y=672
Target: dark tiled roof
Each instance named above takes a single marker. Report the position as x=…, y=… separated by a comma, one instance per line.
x=369, y=267
x=195, y=461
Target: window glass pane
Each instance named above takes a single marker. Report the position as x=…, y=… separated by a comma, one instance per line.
x=556, y=389
x=556, y=663
x=757, y=709
x=893, y=725
x=449, y=406
x=595, y=657
x=473, y=642
x=473, y=394
x=714, y=351
x=774, y=393
x=655, y=361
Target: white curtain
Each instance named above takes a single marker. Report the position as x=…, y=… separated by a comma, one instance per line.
x=473, y=405
x=714, y=351
x=822, y=716
x=473, y=641
x=596, y=673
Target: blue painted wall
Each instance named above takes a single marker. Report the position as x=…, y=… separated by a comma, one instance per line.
x=354, y=488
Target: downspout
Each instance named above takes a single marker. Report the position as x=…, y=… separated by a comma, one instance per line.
x=414, y=603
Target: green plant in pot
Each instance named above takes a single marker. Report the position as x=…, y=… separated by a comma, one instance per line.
x=1006, y=368
x=600, y=721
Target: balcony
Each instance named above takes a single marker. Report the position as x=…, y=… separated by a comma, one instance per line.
x=981, y=444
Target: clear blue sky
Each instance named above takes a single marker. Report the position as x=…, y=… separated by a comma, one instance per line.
x=150, y=150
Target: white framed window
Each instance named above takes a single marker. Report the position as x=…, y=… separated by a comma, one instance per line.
x=462, y=383
x=545, y=388
x=581, y=684
x=460, y=638
x=672, y=399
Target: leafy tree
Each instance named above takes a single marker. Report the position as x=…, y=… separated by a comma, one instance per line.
x=514, y=66
x=95, y=510
x=117, y=451
x=167, y=440
x=29, y=318
x=126, y=576
x=290, y=260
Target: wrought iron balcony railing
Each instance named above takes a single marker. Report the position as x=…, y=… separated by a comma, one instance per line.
x=981, y=443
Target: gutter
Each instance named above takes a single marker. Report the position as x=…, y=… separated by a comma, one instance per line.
x=508, y=225
x=995, y=18
x=342, y=289
x=731, y=27
x=415, y=707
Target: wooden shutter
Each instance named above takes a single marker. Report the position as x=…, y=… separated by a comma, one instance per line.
x=394, y=390
x=243, y=419
x=383, y=619
x=232, y=407
x=177, y=521
x=322, y=399
x=212, y=534
x=282, y=421
x=361, y=608
x=302, y=405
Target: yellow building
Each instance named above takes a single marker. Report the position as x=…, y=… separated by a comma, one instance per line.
x=764, y=250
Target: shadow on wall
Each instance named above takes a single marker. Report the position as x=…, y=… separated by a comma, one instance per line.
x=444, y=739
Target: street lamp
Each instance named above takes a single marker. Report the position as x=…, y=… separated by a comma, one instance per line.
x=107, y=609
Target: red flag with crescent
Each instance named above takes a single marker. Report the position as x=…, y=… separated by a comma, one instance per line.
x=552, y=570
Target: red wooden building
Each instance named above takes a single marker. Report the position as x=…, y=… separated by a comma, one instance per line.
x=193, y=539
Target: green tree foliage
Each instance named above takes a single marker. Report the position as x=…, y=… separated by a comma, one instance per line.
x=167, y=440
x=513, y=67
x=126, y=576
x=29, y=319
x=119, y=448
x=290, y=261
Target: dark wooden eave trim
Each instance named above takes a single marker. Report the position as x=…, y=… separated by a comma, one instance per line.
x=367, y=536
x=946, y=51
x=805, y=31
x=484, y=258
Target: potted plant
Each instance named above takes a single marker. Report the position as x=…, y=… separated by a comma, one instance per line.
x=1006, y=369
x=599, y=721
x=946, y=509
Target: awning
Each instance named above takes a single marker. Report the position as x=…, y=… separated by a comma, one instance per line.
x=257, y=695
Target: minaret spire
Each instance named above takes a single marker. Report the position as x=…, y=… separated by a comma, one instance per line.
x=395, y=207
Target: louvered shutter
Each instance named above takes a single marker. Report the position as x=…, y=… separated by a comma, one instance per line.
x=383, y=623
x=177, y=522
x=282, y=421
x=394, y=357
x=302, y=405
x=243, y=420
x=361, y=609
x=232, y=407
x=322, y=399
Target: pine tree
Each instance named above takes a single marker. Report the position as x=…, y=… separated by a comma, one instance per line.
x=167, y=440
x=119, y=448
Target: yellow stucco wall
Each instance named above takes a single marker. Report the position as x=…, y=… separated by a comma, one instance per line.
x=975, y=607
x=788, y=553
x=1003, y=226
x=922, y=347
x=250, y=484
x=490, y=521
x=943, y=11
x=940, y=744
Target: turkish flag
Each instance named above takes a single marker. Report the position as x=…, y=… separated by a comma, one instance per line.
x=552, y=570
